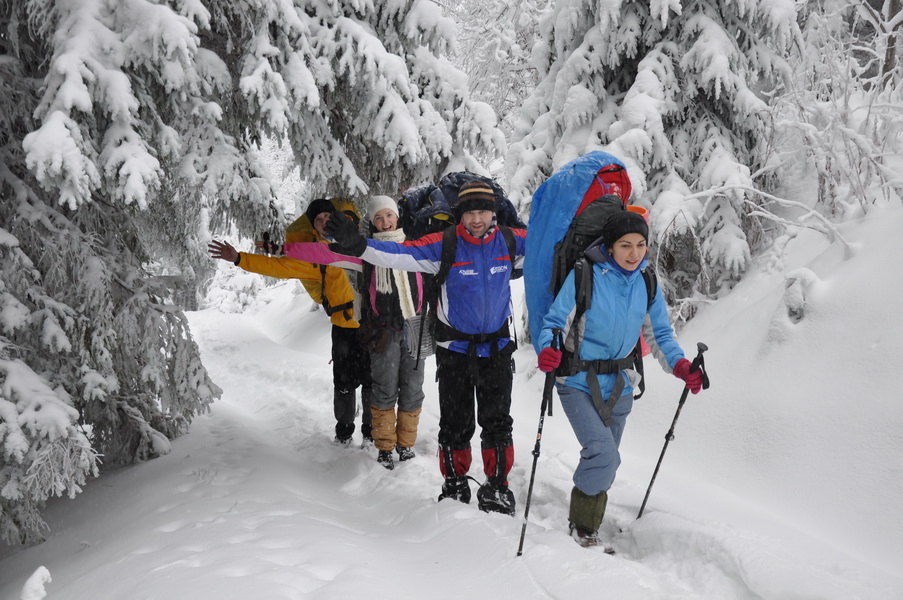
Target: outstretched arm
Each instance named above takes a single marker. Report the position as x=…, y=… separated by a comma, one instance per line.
x=321, y=254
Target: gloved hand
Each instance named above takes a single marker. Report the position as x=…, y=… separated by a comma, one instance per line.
x=346, y=234
x=692, y=378
x=271, y=248
x=549, y=359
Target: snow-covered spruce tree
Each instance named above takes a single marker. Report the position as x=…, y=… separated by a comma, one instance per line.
x=842, y=107
x=361, y=91
x=128, y=132
x=676, y=90
x=109, y=141
x=495, y=41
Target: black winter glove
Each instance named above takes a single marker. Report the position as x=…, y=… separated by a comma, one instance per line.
x=346, y=234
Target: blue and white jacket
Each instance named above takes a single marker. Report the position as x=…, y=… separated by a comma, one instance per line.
x=611, y=325
x=476, y=295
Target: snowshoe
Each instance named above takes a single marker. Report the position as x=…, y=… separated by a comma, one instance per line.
x=495, y=498
x=385, y=459
x=456, y=488
x=405, y=453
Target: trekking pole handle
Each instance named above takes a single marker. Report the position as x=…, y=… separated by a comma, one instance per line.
x=694, y=366
x=550, y=376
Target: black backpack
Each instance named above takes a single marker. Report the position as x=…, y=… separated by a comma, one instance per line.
x=431, y=208
x=570, y=255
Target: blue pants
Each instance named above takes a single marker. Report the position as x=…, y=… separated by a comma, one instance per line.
x=599, y=458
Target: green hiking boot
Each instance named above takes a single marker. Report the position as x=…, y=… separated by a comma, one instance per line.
x=586, y=514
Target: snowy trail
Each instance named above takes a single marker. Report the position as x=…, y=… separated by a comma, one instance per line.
x=256, y=502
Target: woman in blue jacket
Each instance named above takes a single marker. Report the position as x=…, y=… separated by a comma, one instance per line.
x=608, y=331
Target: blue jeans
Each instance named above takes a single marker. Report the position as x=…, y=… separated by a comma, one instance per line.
x=599, y=458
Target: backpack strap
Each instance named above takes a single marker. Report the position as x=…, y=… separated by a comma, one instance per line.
x=449, y=248
x=434, y=285
x=327, y=307
x=651, y=280
x=512, y=248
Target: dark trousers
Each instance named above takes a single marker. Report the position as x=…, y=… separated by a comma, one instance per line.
x=350, y=370
x=457, y=389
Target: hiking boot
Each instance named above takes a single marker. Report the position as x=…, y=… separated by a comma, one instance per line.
x=584, y=537
x=586, y=511
x=343, y=433
x=456, y=488
x=385, y=459
x=492, y=497
x=404, y=453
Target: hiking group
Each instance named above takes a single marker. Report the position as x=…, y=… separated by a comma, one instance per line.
x=448, y=291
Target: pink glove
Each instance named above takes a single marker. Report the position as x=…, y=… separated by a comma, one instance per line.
x=550, y=358
x=693, y=378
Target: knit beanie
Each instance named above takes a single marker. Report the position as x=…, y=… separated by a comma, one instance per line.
x=377, y=203
x=620, y=224
x=475, y=195
x=320, y=205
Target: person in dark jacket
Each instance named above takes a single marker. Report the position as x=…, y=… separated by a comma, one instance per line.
x=473, y=357
x=390, y=297
x=609, y=327
x=331, y=288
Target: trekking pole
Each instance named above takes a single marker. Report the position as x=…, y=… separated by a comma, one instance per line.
x=697, y=363
x=546, y=403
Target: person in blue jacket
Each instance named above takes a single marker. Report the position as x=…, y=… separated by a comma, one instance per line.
x=474, y=345
x=618, y=308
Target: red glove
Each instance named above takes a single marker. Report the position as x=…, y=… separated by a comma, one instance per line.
x=693, y=378
x=550, y=358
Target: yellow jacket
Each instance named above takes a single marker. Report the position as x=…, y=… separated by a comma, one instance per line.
x=328, y=286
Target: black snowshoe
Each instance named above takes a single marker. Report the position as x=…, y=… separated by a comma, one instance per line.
x=385, y=459
x=456, y=488
x=495, y=497
x=405, y=453
x=343, y=432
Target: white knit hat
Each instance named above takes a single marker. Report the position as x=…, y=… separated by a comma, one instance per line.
x=377, y=203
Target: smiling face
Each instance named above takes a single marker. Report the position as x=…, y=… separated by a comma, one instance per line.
x=629, y=250
x=477, y=222
x=385, y=220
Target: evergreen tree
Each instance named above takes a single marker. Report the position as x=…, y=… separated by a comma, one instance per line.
x=842, y=105
x=678, y=90
x=128, y=131
x=495, y=42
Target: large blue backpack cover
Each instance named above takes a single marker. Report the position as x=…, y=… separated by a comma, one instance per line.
x=554, y=206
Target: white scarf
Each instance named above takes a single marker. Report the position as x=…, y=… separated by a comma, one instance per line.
x=384, y=284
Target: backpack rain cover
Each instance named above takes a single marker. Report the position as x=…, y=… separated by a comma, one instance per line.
x=554, y=206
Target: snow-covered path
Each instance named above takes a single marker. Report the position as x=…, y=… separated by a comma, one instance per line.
x=256, y=502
